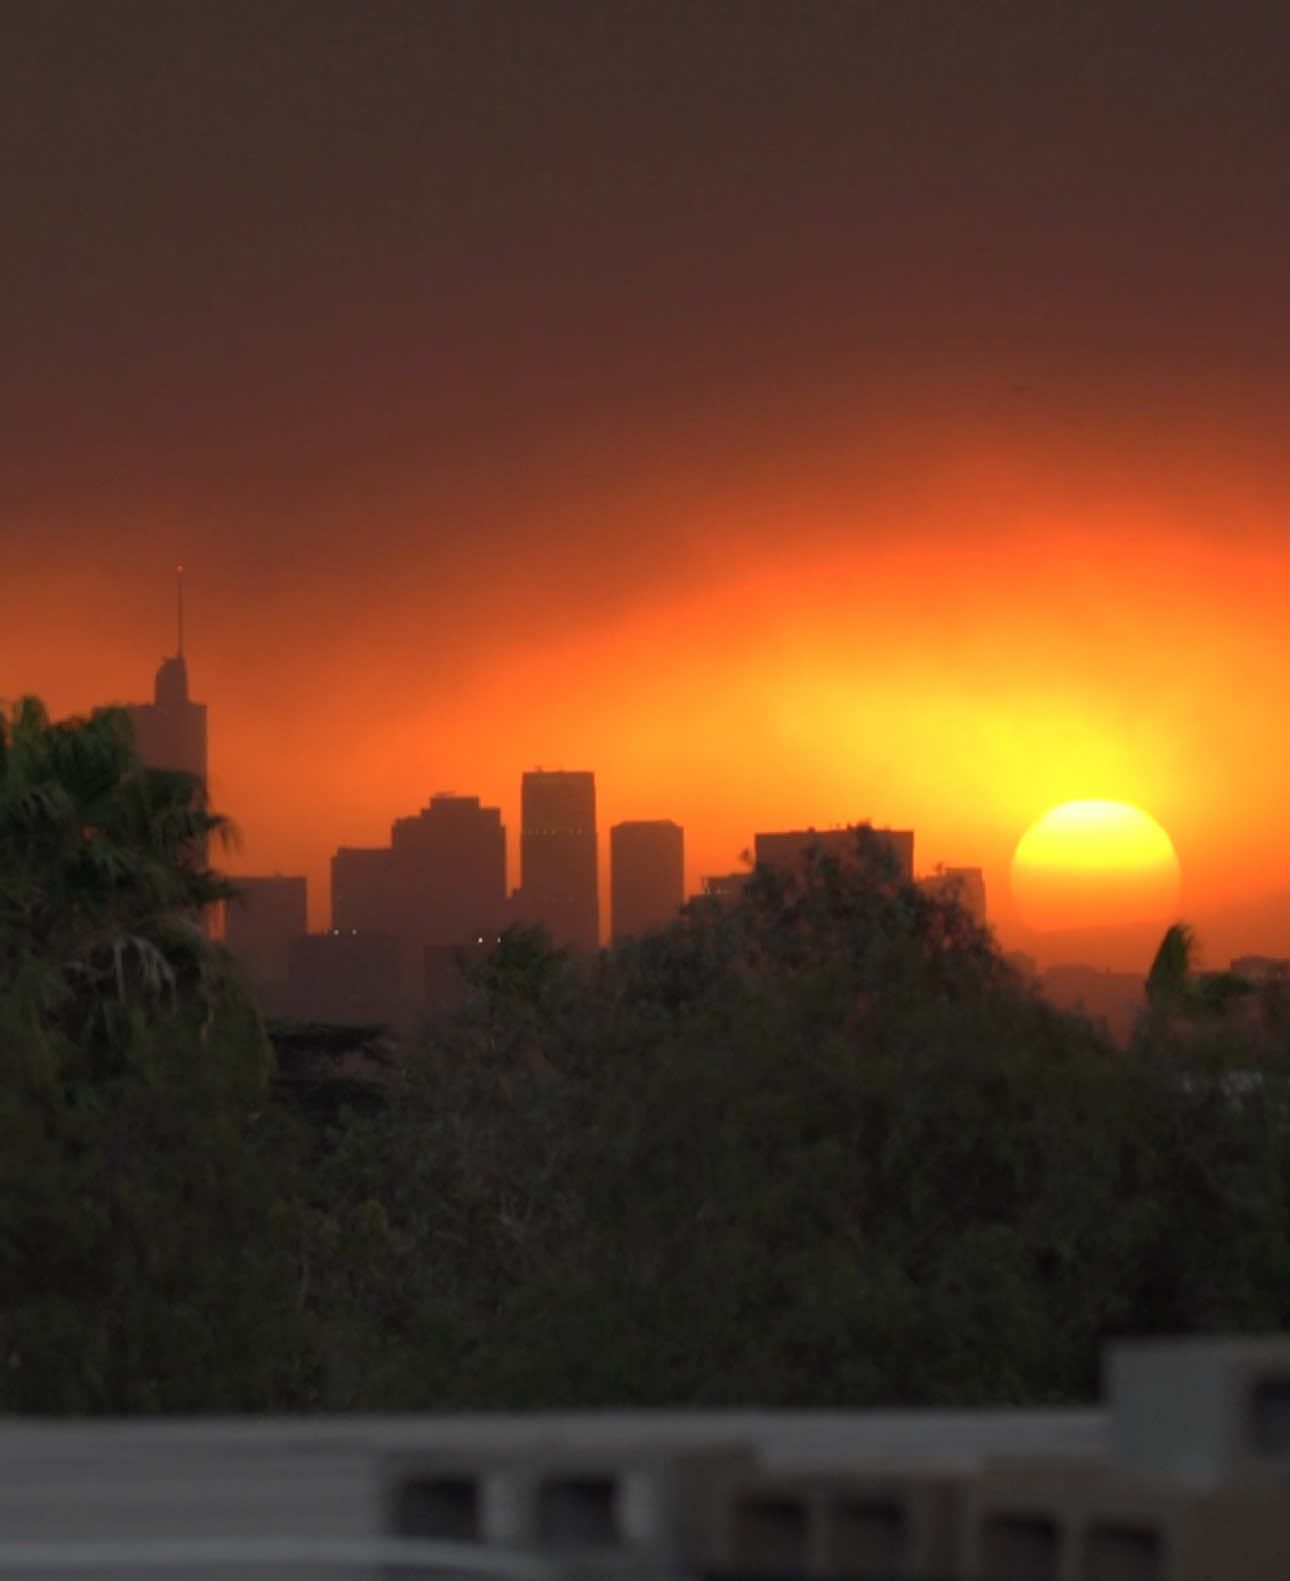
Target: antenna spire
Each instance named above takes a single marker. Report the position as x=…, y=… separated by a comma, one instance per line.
x=179, y=602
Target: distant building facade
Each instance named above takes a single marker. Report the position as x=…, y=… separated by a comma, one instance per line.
x=450, y=861
x=441, y=881
x=787, y=849
x=558, y=856
x=170, y=734
x=260, y=923
x=725, y=888
x=646, y=875
x=363, y=896
x=966, y=885
x=170, y=731
x=347, y=977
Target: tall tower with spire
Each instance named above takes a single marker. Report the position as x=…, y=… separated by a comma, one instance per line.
x=170, y=731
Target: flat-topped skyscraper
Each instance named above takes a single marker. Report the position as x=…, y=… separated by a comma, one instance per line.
x=558, y=856
x=646, y=875
x=439, y=884
x=450, y=859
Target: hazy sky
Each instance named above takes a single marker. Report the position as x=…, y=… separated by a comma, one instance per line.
x=796, y=412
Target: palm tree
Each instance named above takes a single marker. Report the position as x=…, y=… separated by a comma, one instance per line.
x=1175, y=989
x=103, y=882
x=1169, y=982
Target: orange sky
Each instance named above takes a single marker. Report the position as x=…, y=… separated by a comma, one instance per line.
x=1001, y=649
x=795, y=414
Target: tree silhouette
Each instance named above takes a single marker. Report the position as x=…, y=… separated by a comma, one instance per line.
x=103, y=881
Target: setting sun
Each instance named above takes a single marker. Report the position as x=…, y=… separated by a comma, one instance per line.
x=1089, y=864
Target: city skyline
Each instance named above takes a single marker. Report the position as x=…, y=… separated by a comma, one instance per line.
x=700, y=593
x=447, y=865
x=799, y=413
x=373, y=882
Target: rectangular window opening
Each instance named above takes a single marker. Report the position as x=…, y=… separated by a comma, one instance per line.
x=769, y=1534
x=870, y=1537
x=575, y=1512
x=1115, y=1551
x=1020, y=1548
x=444, y=1507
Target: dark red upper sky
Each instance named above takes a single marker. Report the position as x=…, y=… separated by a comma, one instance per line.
x=280, y=262
x=432, y=335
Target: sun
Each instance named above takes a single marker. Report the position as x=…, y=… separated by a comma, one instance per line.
x=1095, y=864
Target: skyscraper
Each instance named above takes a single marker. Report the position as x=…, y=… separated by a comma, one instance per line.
x=170, y=731
x=646, y=875
x=558, y=856
x=440, y=882
x=450, y=866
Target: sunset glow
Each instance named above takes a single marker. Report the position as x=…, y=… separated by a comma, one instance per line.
x=925, y=478
x=1095, y=863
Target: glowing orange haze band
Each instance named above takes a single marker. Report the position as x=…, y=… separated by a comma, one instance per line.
x=957, y=686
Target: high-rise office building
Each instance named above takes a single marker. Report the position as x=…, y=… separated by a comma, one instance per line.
x=440, y=882
x=788, y=849
x=261, y=921
x=450, y=865
x=170, y=731
x=558, y=856
x=646, y=875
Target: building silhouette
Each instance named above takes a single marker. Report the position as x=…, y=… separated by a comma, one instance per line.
x=646, y=875
x=440, y=882
x=347, y=977
x=363, y=898
x=259, y=925
x=724, y=888
x=558, y=856
x=788, y=849
x=450, y=870
x=966, y=885
x=170, y=731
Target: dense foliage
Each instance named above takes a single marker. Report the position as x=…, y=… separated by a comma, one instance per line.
x=142, y=1169
x=822, y=1147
